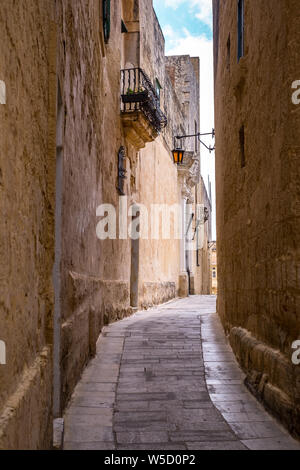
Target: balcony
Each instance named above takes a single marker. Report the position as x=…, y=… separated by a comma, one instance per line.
x=142, y=117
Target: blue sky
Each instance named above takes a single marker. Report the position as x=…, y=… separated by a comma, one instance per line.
x=183, y=15
x=187, y=27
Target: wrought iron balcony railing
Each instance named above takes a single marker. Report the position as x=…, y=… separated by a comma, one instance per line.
x=138, y=94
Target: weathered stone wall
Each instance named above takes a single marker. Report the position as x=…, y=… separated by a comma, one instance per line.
x=152, y=43
x=157, y=174
x=201, y=257
x=89, y=73
x=158, y=177
x=27, y=178
x=184, y=72
x=159, y=259
x=214, y=268
x=258, y=203
x=173, y=110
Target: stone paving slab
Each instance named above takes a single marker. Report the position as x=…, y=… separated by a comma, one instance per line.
x=166, y=379
x=253, y=426
x=282, y=443
x=222, y=445
x=89, y=445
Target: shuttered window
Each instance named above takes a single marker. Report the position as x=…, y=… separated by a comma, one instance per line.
x=106, y=19
x=240, y=29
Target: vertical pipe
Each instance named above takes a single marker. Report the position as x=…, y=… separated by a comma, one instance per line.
x=129, y=80
x=135, y=85
x=135, y=266
x=58, y=256
x=182, y=242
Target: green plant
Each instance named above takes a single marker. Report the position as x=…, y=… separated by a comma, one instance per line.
x=132, y=92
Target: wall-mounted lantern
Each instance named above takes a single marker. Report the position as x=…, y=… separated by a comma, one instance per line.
x=178, y=155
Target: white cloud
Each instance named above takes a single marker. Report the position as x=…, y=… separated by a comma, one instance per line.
x=205, y=11
x=174, y=3
x=169, y=32
x=201, y=8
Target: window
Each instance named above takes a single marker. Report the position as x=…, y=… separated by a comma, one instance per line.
x=228, y=53
x=158, y=88
x=106, y=19
x=240, y=29
x=242, y=146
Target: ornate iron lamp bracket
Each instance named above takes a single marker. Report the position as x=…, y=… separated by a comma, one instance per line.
x=199, y=135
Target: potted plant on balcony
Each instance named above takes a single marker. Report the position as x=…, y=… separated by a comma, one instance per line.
x=139, y=95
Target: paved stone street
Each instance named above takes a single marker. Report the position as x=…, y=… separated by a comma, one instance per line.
x=166, y=379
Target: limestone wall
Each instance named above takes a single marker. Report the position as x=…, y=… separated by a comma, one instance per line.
x=27, y=177
x=184, y=74
x=159, y=259
x=214, y=268
x=95, y=274
x=258, y=203
x=201, y=255
x=158, y=177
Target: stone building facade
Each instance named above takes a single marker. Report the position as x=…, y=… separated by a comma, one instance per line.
x=27, y=205
x=257, y=179
x=214, y=268
x=69, y=136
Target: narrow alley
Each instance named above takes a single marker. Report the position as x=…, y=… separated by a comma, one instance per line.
x=166, y=379
x=150, y=225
